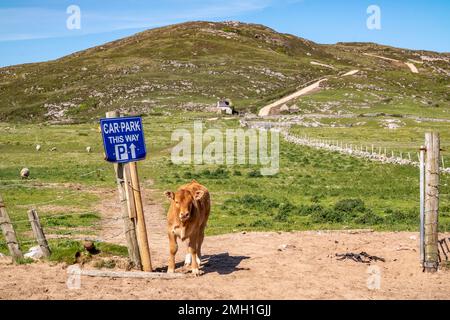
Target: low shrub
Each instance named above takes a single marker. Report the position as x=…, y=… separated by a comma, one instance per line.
x=254, y=174
x=350, y=205
x=261, y=224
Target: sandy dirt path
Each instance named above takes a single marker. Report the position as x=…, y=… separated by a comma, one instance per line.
x=155, y=219
x=252, y=266
x=314, y=63
x=350, y=73
x=410, y=65
x=272, y=108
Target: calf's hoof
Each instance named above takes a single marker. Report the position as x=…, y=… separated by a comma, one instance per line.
x=197, y=272
x=170, y=270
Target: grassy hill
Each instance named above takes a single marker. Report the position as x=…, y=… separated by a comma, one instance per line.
x=192, y=65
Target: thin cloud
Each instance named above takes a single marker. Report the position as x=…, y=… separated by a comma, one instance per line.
x=36, y=23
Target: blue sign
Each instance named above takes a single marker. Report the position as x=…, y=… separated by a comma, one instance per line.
x=123, y=139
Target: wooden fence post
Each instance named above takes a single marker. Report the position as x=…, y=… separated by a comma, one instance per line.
x=432, y=145
x=38, y=232
x=422, y=203
x=9, y=233
x=141, y=228
x=124, y=197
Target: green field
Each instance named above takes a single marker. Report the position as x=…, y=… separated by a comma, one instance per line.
x=313, y=189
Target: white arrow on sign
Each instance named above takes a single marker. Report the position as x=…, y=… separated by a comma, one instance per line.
x=133, y=151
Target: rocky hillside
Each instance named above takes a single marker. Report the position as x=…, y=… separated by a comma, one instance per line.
x=192, y=65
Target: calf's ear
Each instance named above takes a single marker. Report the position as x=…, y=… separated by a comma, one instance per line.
x=170, y=195
x=199, y=194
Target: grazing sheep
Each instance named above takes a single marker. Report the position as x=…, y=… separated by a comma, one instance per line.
x=88, y=149
x=38, y=147
x=24, y=173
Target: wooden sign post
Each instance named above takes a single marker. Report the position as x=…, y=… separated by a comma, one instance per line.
x=124, y=198
x=141, y=227
x=130, y=195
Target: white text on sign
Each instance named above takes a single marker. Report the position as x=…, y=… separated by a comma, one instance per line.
x=123, y=127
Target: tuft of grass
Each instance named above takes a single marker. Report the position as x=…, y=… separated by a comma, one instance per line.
x=112, y=249
x=105, y=263
x=445, y=265
x=25, y=261
x=65, y=250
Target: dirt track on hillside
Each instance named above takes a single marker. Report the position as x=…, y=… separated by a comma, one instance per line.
x=297, y=265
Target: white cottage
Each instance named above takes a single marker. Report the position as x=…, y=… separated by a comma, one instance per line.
x=225, y=107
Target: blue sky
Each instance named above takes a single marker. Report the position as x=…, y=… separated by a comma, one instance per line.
x=35, y=30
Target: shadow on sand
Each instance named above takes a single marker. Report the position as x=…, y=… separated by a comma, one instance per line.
x=221, y=263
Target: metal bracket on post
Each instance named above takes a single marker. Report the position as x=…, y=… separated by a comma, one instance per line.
x=120, y=180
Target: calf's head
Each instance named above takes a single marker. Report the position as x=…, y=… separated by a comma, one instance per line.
x=184, y=202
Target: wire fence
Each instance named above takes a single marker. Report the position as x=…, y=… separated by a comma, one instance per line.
x=402, y=154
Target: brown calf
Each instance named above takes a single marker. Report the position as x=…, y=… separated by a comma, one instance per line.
x=186, y=219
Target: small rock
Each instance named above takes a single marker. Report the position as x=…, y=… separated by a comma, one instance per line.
x=413, y=238
x=25, y=173
x=285, y=246
x=90, y=247
x=284, y=108
x=294, y=108
x=34, y=253
x=53, y=149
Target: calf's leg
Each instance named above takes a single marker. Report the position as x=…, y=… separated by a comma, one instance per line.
x=173, y=251
x=193, y=252
x=199, y=246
